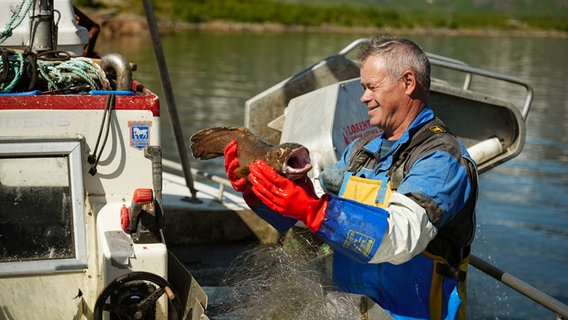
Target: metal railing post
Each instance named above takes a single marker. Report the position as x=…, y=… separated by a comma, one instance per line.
x=166, y=85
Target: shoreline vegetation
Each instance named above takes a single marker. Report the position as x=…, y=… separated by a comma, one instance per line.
x=225, y=17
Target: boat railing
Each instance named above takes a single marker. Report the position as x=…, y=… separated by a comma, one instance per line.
x=353, y=45
x=220, y=181
x=438, y=60
x=469, y=71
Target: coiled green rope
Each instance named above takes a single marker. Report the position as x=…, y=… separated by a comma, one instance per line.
x=74, y=74
x=60, y=75
x=15, y=65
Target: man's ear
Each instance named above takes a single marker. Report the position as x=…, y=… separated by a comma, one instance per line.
x=409, y=80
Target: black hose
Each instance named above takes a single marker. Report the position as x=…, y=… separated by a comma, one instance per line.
x=94, y=158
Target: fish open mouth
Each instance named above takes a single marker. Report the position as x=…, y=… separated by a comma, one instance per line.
x=298, y=164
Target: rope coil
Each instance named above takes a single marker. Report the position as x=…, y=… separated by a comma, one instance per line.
x=47, y=74
x=12, y=64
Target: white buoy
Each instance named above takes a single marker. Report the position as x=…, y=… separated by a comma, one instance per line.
x=486, y=150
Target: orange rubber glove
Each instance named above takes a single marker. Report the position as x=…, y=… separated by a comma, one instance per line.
x=241, y=185
x=295, y=199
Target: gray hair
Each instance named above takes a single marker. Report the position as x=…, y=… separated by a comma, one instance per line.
x=400, y=54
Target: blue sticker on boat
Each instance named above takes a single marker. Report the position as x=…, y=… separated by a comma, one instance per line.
x=139, y=133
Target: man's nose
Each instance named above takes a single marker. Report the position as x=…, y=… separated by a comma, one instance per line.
x=366, y=96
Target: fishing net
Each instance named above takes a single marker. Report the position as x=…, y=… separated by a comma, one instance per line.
x=287, y=281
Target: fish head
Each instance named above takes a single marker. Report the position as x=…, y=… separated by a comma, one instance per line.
x=292, y=160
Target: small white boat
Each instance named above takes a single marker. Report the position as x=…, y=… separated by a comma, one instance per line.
x=319, y=107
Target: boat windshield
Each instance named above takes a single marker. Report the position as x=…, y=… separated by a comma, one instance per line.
x=41, y=206
x=35, y=209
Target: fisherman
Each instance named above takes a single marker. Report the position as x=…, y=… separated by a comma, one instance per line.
x=402, y=217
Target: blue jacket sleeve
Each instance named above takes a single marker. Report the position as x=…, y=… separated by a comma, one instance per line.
x=353, y=228
x=278, y=221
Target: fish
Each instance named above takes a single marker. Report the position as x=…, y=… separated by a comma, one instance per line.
x=291, y=160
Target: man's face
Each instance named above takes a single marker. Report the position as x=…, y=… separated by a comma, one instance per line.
x=382, y=94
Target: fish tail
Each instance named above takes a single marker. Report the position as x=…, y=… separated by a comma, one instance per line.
x=210, y=143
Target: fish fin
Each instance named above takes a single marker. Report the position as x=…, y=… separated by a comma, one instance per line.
x=242, y=172
x=210, y=143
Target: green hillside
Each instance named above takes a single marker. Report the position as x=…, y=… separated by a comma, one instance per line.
x=537, y=8
x=449, y=14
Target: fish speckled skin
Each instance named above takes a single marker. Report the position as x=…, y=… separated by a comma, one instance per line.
x=291, y=160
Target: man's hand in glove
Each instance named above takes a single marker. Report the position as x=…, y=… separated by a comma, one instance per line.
x=231, y=163
x=295, y=199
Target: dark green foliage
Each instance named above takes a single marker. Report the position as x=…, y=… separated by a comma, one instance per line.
x=85, y=3
x=452, y=14
x=268, y=11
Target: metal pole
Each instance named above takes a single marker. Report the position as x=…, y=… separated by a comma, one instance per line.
x=524, y=288
x=166, y=85
x=43, y=37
